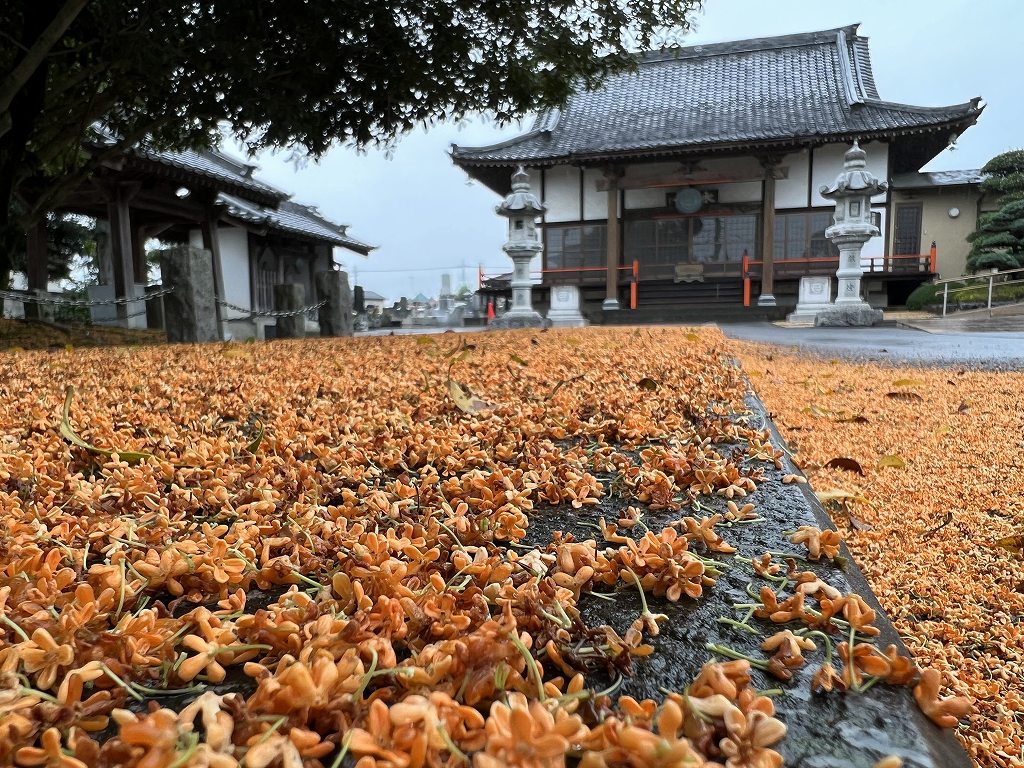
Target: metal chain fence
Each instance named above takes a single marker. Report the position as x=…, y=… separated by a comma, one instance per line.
x=269, y=313
x=82, y=303
x=26, y=297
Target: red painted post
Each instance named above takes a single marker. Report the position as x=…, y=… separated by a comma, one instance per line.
x=633, y=285
x=933, y=258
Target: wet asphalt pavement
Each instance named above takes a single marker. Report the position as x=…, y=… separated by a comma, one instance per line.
x=890, y=344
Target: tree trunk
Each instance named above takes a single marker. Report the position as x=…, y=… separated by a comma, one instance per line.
x=25, y=108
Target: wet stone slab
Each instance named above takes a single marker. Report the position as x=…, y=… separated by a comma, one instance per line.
x=833, y=730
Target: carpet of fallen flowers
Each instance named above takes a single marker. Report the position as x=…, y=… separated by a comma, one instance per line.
x=313, y=554
x=925, y=466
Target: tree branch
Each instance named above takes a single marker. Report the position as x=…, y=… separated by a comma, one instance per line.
x=19, y=76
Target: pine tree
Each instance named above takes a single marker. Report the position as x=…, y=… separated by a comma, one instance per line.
x=998, y=242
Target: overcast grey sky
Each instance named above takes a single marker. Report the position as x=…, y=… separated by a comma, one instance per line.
x=418, y=208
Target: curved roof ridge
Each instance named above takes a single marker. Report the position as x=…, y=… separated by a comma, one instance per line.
x=966, y=106
x=726, y=47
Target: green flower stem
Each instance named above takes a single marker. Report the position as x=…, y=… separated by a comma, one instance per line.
x=128, y=689
x=307, y=580
x=452, y=747
x=738, y=624
x=365, y=681
x=771, y=692
x=828, y=644
x=870, y=682
x=729, y=653
x=17, y=630
x=531, y=664
x=640, y=589
x=192, y=740
x=602, y=595
x=29, y=691
x=343, y=751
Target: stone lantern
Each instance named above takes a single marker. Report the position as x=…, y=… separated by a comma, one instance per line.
x=521, y=208
x=852, y=192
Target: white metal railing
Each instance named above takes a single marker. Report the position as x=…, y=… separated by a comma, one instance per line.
x=989, y=276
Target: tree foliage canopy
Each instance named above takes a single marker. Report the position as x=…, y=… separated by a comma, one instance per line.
x=998, y=242
x=282, y=73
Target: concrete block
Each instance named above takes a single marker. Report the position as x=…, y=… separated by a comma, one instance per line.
x=289, y=296
x=336, y=315
x=190, y=312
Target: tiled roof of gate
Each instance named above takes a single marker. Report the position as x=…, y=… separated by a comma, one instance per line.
x=215, y=166
x=293, y=218
x=762, y=91
x=936, y=179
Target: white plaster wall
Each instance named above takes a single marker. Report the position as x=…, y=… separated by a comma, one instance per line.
x=740, y=192
x=234, y=265
x=562, y=193
x=875, y=247
x=645, y=198
x=595, y=201
x=828, y=162
x=791, y=192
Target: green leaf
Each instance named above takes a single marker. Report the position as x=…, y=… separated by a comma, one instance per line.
x=518, y=359
x=841, y=496
x=466, y=400
x=907, y=383
x=69, y=434
x=647, y=384
x=892, y=460
x=253, y=444
x=908, y=395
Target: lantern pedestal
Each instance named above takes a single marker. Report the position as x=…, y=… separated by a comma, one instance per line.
x=522, y=313
x=852, y=192
x=849, y=310
x=521, y=207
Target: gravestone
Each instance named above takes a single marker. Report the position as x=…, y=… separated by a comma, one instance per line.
x=288, y=297
x=336, y=315
x=190, y=311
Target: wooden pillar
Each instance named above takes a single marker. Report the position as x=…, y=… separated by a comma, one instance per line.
x=139, y=236
x=122, y=255
x=211, y=242
x=611, y=300
x=767, y=297
x=37, y=257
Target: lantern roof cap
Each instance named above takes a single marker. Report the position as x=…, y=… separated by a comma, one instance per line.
x=520, y=201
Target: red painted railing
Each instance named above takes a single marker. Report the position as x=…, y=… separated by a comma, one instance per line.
x=925, y=262
x=633, y=270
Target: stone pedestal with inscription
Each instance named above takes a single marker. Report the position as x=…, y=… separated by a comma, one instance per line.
x=815, y=296
x=564, y=311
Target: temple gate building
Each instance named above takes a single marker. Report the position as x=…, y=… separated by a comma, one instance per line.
x=692, y=183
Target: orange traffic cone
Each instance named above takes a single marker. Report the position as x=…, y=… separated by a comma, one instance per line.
x=490, y=310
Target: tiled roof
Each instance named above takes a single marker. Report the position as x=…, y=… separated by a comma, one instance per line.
x=215, y=166
x=936, y=179
x=761, y=92
x=293, y=218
